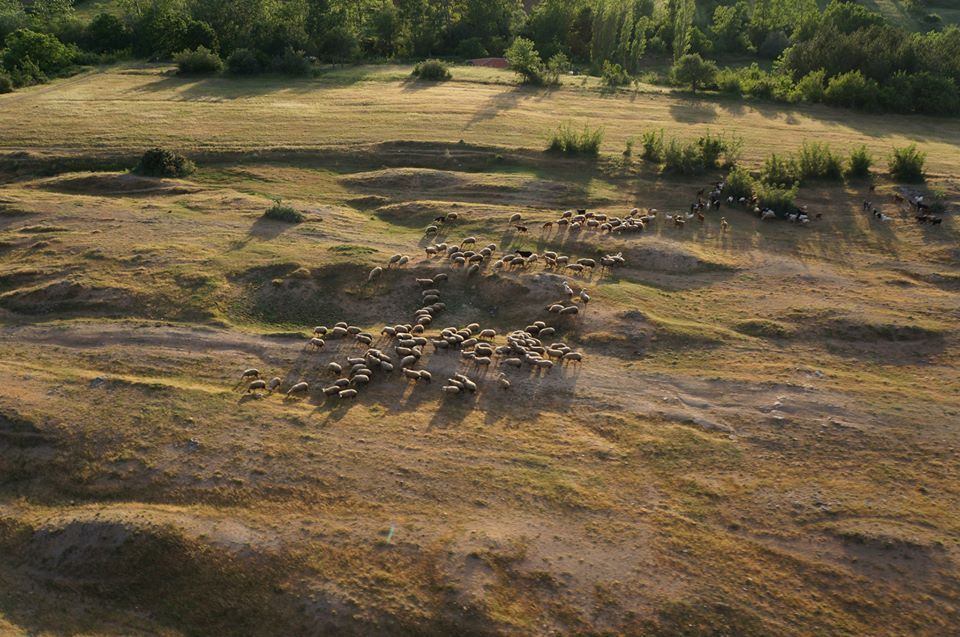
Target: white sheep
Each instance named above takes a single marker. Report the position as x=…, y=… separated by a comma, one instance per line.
x=255, y=385
x=273, y=384
x=299, y=388
x=335, y=368
x=319, y=330
x=374, y=274
x=348, y=393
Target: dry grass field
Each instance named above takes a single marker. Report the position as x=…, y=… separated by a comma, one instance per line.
x=761, y=440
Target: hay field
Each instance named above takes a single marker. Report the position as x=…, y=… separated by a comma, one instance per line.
x=761, y=440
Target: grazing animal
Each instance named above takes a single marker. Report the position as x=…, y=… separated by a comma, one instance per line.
x=250, y=373
x=521, y=229
x=348, y=393
x=319, y=330
x=255, y=385
x=299, y=388
x=724, y=226
x=374, y=274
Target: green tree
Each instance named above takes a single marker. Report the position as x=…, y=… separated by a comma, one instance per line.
x=45, y=51
x=525, y=61
x=693, y=71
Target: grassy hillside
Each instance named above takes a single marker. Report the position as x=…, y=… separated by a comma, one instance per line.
x=128, y=108
x=760, y=440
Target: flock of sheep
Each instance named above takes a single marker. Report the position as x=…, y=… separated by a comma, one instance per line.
x=478, y=352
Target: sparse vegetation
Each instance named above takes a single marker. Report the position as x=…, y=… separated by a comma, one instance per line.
x=860, y=162
x=690, y=158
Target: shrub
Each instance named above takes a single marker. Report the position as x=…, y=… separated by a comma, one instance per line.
x=570, y=142
x=777, y=197
x=907, y=164
x=200, y=61
x=684, y=158
x=652, y=142
x=432, y=70
x=291, y=62
x=614, y=75
x=693, y=71
x=811, y=87
x=780, y=172
x=852, y=90
x=525, y=61
x=728, y=81
x=6, y=84
x=739, y=183
x=773, y=45
x=557, y=65
x=160, y=162
x=628, y=148
x=817, y=161
x=244, y=62
x=280, y=212
x=859, y=164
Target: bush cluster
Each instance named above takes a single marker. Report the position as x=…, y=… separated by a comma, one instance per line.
x=565, y=139
x=161, y=162
x=200, y=61
x=690, y=157
x=280, y=212
x=436, y=70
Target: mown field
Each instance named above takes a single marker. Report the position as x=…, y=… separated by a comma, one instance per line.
x=761, y=439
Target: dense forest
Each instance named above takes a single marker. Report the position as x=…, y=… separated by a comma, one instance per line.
x=789, y=50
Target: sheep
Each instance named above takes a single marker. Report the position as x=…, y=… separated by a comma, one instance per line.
x=342, y=324
x=587, y=263
x=316, y=343
x=567, y=311
x=411, y=374
x=504, y=383
x=250, y=373
x=468, y=241
x=431, y=298
x=299, y=388
x=338, y=331
x=394, y=259
x=319, y=330
x=374, y=274
x=432, y=229
x=555, y=308
x=473, y=269
x=424, y=282
x=515, y=217
x=386, y=366
x=273, y=384
x=342, y=383
x=335, y=369
x=450, y=389
x=388, y=331
x=331, y=390
x=404, y=260
x=366, y=339
x=767, y=214
x=407, y=361
x=255, y=385
x=353, y=330
x=584, y=296
x=484, y=361
x=724, y=226
x=543, y=363
x=487, y=333
x=547, y=331
x=360, y=379
x=355, y=360
x=451, y=216
x=347, y=393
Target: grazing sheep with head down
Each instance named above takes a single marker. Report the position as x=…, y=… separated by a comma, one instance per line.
x=299, y=388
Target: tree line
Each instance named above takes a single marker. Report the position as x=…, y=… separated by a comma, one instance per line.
x=844, y=55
